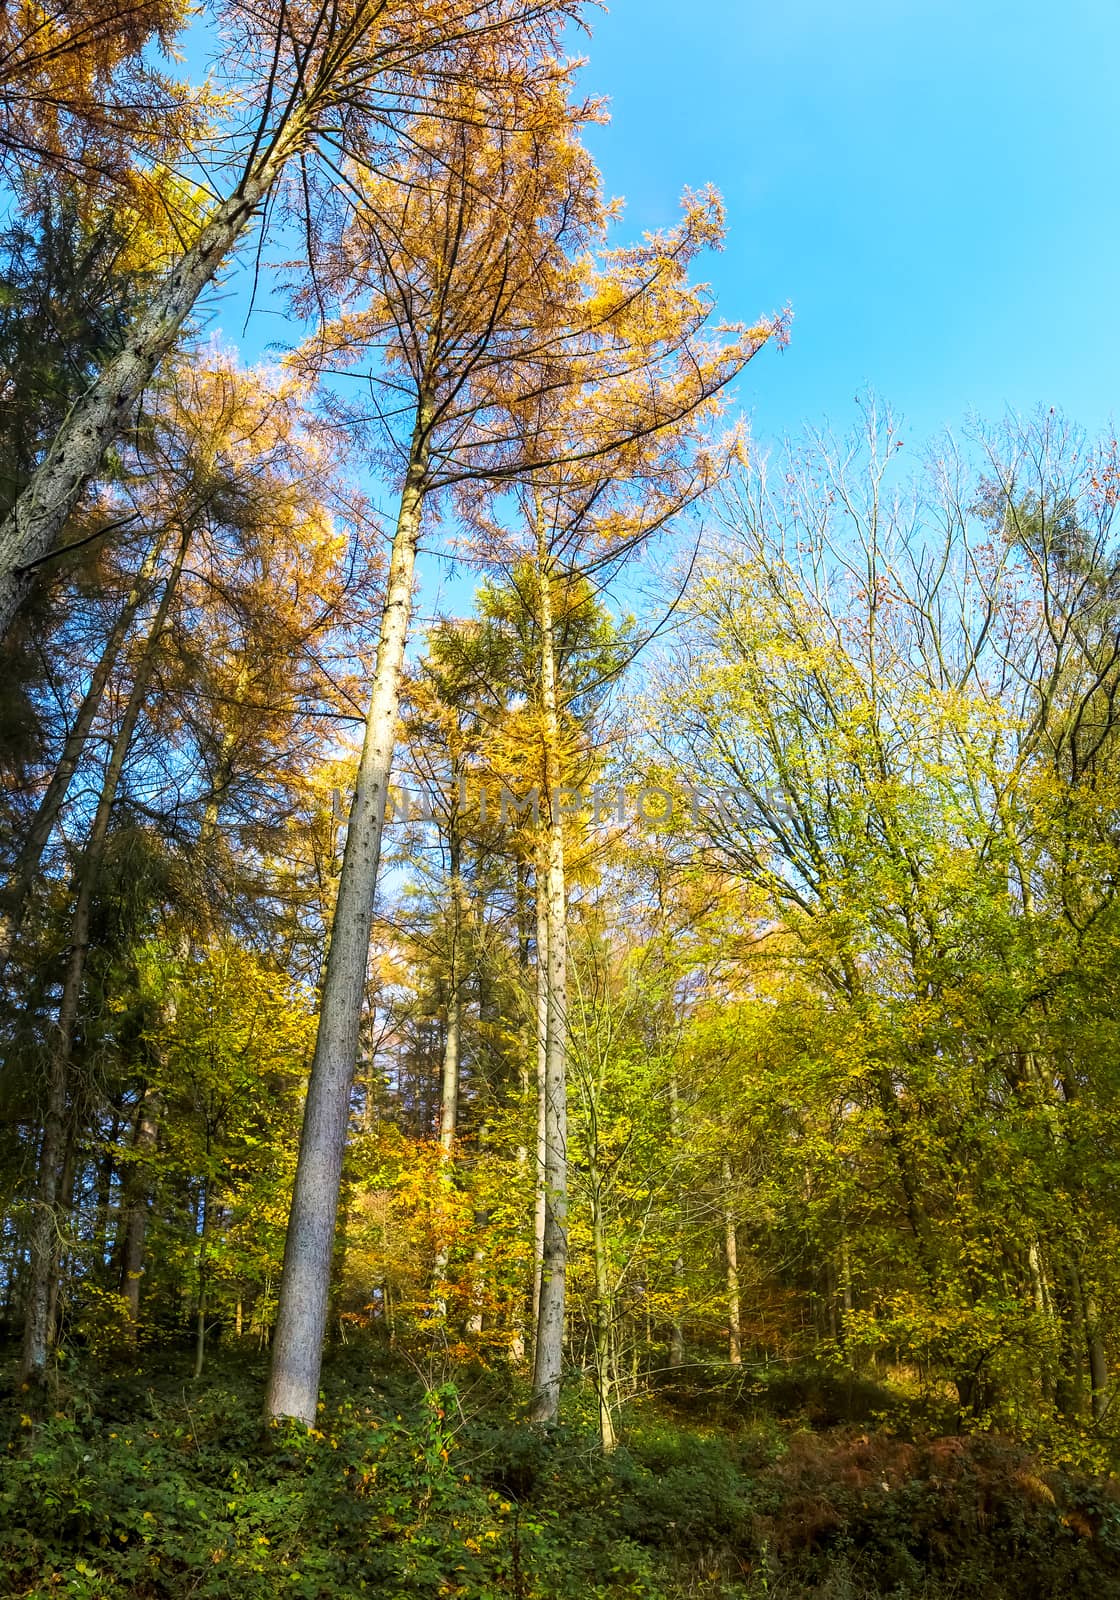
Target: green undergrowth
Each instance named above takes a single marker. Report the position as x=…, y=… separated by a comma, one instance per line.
x=145, y=1485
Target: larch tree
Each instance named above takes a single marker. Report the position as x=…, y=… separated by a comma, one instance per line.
x=222, y=482
x=618, y=444
x=481, y=310
x=77, y=96
x=319, y=91
x=455, y=250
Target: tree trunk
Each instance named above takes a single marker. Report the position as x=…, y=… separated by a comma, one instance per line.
x=293, y=1388
x=203, y=1239
x=1069, y=1391
x=541, y=1071
x=1098, y=1364
x=65, y=1233
x=476, y=1318
x=549, y=1345
x=604, y=1383
x=448, y=1123
x=449, y=1076
x=45, y=1222
x=103, y=1210
x=1050, y=1351
x=136, y=1218
x=603, y=1378
x=31, y=530
x=676, y=1332
x=731, y=1250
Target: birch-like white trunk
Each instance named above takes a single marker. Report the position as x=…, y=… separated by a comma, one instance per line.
x=293, y=1387
x=549, y=1346
x=30, y=532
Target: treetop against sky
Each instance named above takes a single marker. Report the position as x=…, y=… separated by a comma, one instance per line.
x=925, y=183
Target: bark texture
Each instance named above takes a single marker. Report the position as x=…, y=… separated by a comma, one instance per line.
x=549, y=1346
x=293, y=1387
x=31, y=530
x=541, y=1065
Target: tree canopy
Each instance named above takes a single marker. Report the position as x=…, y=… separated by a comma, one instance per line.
x=679, y=961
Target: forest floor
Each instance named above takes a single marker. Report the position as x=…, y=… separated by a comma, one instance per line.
x=141, y=1483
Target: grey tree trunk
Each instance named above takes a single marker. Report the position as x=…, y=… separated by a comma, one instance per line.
x=449, y=1096
x=731, y=1251
x=676, y=1331
x=31, y=530
x=293, y=1387
x=539, y=1190
x=604, y=1300
x=45, y=1223
x=203, y=1276
x=549, y=1347
x=449, y=1077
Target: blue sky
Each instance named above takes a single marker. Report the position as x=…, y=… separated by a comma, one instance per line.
x=932, y=185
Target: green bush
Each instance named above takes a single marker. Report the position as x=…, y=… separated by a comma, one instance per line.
x=152, y=1487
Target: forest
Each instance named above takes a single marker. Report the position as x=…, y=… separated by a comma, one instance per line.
x=559, y=968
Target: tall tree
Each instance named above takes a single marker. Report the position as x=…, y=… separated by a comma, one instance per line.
x=455, y=248
x=594, y=492
x=885, y=716
x=322, y=88
x=225, y=479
